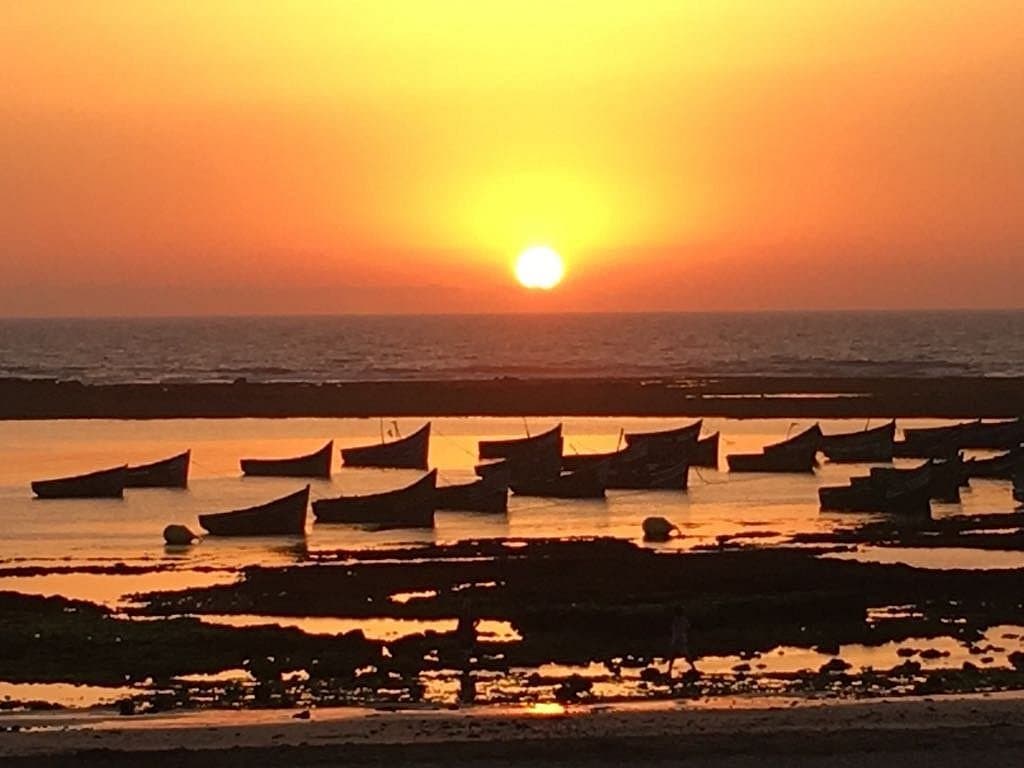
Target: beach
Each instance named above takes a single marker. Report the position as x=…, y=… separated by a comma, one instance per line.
x=920, y=732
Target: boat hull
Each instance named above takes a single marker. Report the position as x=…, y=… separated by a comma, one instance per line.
x=316, y=464
x=868, y=446
x=169, y=473
x=488, y=494
x=796, y=462
x=588, y=483
x=104, y=484
x=407, y=453
x=409, y=507
x=1002, y=467
x=281, y=517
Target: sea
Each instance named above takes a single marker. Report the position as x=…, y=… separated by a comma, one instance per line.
x=443, y=347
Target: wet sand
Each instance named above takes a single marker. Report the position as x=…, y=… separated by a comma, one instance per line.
x=944, y=731
x=736, y=397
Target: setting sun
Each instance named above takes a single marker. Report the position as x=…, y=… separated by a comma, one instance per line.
x=539, y=267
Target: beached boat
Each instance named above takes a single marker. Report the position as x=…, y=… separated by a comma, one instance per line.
x=285, y=516
x=1001, y=467
x=994, y=435
x=168, y=473
x=405, y=453
x=104, y=484
x=906, y=495
x=796, y=454
x=666, y=441
x=706, y=453
x=945, y=477
x=522, y=446
x=317, y=464
x=528, y=457
x=633, y=469
x=587, y=483
x=488, y=494
x=868, y=445
x=409, y=507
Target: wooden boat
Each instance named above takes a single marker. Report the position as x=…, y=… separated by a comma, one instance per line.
x=998, y=435
x=706, y=453
x=868, y=445
x=588, y=483
x=316, y=464
x=931, y=435
x=405, y=453
x=944, y=477
x=409, y=507
x=104, y=484
x=633, y=469
x=906, y=495
x=488, y=494
x=943, y=449
x=168, y=473
x=666, y=442
x=796, y=454
x=281, y=517
x=522, y=446
x=529, y=457
x=1002, y=467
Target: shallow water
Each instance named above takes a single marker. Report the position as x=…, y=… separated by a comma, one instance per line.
x=69, y=532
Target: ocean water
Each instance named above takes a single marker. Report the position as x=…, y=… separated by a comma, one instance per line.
x=373, y=348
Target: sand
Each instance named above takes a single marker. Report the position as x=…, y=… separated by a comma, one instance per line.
x=934, y=732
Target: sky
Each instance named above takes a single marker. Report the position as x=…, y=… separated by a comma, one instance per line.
x=251, y=157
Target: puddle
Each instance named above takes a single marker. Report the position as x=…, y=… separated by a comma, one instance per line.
x=110, y=589
x=375, y=629
x=942, y=559
x=62, y=694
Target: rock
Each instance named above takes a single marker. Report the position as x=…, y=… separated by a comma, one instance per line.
x=179, y=536
x=1017, y=659
x=906, y=653
x=303, y=715
x=744, y=667
x=574, y=687
x=833, y=666
x=658, y=529
x=933, y=653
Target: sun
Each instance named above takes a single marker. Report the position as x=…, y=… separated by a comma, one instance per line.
x=539, y=267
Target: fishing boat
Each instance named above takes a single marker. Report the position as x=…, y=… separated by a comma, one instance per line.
x=706, y=453
x=668, y=441
x=633, y=469
x=906, y=495
x=1001, y=467
x=867, y=445
x=796, y=454
x=104, y=484
x=488, y=494
x=529, y=457
x=997, y=435
x=587, y=483
x=316, y=464
x=521, y=446
x=405, y=453
x=945, y=477
x=168, y=473
x=409, y=507
x=281, y=517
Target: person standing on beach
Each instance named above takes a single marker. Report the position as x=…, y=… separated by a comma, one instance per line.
x=465, y=639
x=679, y=642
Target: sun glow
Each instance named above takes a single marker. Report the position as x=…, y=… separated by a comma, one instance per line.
x=539, y=267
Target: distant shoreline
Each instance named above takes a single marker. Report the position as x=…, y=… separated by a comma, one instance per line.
x=727, y=397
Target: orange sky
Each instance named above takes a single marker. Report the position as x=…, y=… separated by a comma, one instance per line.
x=309, y=157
